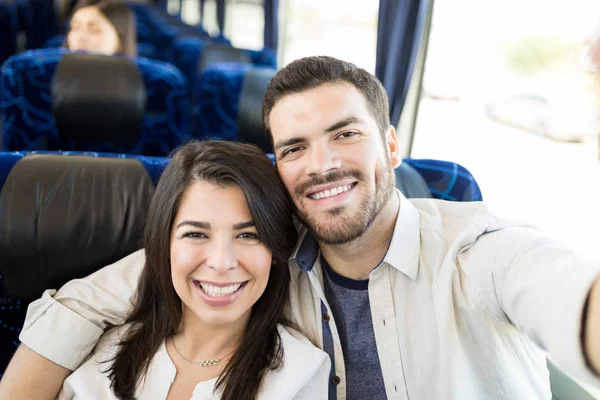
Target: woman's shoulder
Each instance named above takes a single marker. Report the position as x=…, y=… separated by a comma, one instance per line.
x=90, y=380
x=295, y=340
x=300, y=356
x=304, y=372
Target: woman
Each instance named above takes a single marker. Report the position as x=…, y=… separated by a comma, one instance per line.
x=207, y=323
x=105, y=27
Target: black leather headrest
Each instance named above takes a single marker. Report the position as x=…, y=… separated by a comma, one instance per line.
x=213, y=53
x=249, y=117
x=64, y=217
x=98, y=98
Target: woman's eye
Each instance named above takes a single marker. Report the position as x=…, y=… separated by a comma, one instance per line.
x=249, y=236
x=194, y=235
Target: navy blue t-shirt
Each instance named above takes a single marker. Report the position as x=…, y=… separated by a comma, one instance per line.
x=349, y=302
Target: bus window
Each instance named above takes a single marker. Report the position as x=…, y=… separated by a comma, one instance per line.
x=508, y=93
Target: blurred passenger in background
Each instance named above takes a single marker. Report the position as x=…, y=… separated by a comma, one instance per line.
x=105, y=27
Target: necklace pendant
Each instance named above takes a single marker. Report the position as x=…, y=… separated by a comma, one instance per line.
x=208, y=363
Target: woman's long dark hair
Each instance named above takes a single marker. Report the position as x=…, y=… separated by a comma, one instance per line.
x=158, y=309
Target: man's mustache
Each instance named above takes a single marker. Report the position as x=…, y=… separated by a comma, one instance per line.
x=335, y=176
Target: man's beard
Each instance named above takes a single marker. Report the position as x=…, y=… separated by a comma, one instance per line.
x=335, y=228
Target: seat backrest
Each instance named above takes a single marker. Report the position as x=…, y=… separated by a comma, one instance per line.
x=411, y=183
x=26, y=106
x=96, y=99
x=230, y=94
x=63, y=217
x=447, y=180
x=189, y=55
x=249, y=116
x=214, y=53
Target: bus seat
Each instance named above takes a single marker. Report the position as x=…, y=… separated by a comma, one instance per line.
x=58, y=226
x=154, y=165
x=97, y=100
x=55, y=41
x=215, y=52
x=193, y=54
x=411, y=183
x=266, y=57
x=447, y=180
x=249, y=115
x=26, y=106
x=228, y=101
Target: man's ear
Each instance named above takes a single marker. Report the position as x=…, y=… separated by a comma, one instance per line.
x=392, y=147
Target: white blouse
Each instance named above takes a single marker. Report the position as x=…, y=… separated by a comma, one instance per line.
x=303, y=376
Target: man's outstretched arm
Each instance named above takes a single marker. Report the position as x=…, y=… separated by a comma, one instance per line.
x=541, y=287
x=31, y=376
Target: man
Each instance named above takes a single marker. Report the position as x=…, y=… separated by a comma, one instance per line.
x=418, y=299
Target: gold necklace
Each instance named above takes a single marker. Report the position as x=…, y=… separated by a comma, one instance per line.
x=205, y=363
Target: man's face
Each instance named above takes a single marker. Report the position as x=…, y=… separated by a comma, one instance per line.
x=332, y=160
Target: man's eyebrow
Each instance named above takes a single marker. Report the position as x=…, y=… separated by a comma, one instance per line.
x=296, y=140
x=344, y=122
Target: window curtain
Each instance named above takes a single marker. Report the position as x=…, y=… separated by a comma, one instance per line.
x=399, y=30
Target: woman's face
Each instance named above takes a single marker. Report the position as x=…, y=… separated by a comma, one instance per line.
x=91, y=31
x=219, y=265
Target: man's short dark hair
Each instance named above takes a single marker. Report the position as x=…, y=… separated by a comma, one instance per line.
x=311, y=72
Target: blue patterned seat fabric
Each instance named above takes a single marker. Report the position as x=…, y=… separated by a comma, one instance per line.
x=187, y=51
x=26, y=106
x=216, y=100
x=154, y=165
x=447, y=180
x=186, y=54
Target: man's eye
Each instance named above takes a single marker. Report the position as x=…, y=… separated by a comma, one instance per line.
x=292, y=150
x=347, y=134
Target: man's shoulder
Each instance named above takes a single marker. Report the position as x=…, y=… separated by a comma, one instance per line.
x=455, y=220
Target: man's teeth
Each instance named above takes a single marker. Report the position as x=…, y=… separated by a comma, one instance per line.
x=217, y=291
x=330, y=192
